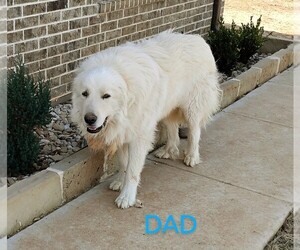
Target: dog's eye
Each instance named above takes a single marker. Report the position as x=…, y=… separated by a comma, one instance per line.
x=85, y=93
x=105, y=96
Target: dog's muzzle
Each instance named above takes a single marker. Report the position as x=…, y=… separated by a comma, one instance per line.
x=93, y=129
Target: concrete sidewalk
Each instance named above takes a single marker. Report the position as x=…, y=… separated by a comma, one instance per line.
x=240, y=194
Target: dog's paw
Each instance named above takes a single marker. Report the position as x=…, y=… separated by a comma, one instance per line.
x=192, y=160
x=115, y=185
x=127, y=198
x=125, y=201
x=167, y=153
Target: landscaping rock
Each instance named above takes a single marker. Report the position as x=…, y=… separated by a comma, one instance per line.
x=11, y=180
x=46, y=149
x=44, y=141
x=58, y=139
x=240, y=68
x=56, y=157
x=59, y=126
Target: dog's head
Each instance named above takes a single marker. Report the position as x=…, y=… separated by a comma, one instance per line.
x=99, y=95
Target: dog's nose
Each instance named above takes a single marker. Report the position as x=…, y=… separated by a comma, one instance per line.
x=90, y=118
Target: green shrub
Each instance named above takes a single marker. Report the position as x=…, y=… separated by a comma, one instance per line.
x=224, y=45
x=28, y=105
x=250, y=39
x=232, y=45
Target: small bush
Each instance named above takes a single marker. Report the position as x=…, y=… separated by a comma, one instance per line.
x=28, y=105
x=250, y=39
x=224, y=45
x=232, y=45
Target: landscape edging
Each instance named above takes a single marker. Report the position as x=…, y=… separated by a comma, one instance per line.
x=266, y=69
x=36, y=196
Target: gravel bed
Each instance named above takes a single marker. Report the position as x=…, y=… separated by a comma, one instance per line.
x=240, y=68
x=60, y=138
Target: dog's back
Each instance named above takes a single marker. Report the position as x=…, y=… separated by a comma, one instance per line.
x=176, y=52
x=188, y=62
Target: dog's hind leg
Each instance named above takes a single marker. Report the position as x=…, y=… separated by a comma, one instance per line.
x=170, y=150
x=122, y=155
x=192, y=156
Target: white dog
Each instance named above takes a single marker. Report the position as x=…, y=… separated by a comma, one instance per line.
x=121, y=93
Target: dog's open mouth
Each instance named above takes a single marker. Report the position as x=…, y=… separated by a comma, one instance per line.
x=93, y=129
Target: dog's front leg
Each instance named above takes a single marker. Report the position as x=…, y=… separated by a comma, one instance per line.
x=122, y=155
x=137, y=153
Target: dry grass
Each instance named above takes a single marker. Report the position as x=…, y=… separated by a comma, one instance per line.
x=277, y=15
x=284, y=238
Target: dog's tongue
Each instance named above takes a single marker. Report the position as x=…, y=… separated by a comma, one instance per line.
x=92, y=127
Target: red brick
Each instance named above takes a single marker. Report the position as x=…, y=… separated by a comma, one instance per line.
x=76, y=44
x=14, y=12
x=115, y=15
x=90, y=10
x=58, y=91
x=10, y=25
x=50, y=41
x=56, y=5
x=56, y=50
x=15, y=36
x=34, y=32
x=72, y=13
x=128, y=30
x=26, y=46
x=113, y=34
x=89, y=50
x=101, y=18
x=50, y=62
x=73, y=3
x=67, y=77
x=57, y=28
x=56, y=71
x=34, y=9
x=35, y=55
x=71, y=35
x=125, y=22
x=79, y=23
x=71, y=56
x=108, y=44
x=49, y=17
x=108, y=26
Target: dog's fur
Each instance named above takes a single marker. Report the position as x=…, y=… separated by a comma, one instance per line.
x=170, y=78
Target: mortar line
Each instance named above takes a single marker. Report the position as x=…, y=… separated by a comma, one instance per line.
x=220, y=181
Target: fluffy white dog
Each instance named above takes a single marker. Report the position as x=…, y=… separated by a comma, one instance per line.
x=121, y=93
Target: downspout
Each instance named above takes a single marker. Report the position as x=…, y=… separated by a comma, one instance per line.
x=216, y=14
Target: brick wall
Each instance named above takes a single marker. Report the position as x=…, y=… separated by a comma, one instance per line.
x=53, y=36
x=3, y=113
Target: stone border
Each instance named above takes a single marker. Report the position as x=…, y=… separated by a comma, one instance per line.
x=38, y=195
x=257, y=75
